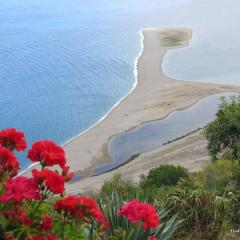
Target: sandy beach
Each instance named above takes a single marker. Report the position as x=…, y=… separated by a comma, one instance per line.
x=154, y=97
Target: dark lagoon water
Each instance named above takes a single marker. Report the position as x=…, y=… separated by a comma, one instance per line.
x=64, y=64
x=153, y=134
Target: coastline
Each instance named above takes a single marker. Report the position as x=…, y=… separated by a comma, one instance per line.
x=152, y=97
x=122, y=99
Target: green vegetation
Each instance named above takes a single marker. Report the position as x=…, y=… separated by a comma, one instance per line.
x=205, y=213
x=223, y=134
x=220, y=177
x=164, y=175
x=123, y=186
x=206, y=203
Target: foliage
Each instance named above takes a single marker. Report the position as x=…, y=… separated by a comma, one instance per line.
x=205, y=213
x=126, y=188
x=123, y=186
x=221, y=177
x=223, y=134
x=164, y=175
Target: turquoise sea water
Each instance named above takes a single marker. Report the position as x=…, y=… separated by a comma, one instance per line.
x=64, y=64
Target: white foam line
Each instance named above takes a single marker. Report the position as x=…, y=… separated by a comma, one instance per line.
x=135, y=71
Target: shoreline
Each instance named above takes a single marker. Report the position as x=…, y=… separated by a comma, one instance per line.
x=122, y=99
x=153, y=96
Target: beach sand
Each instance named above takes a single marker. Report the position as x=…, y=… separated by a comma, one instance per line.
x=154, y=97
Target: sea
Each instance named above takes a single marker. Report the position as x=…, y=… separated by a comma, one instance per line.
x=65, y=63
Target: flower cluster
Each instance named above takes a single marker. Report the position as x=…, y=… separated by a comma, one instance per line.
x=47, y=153
x=136, y=211
x=20, y=189
x=23, y=200
x=12, y=139
x=9, y=164
x=49, y=179
x=23, y=196
x=17, y=215
x=83, y=208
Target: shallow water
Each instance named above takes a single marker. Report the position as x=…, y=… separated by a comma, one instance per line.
x=151, y=135
x=64, y=64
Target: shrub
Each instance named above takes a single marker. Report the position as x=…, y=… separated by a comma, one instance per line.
x=123, y=186
x=221, y=176
x=205, y=213
x=164, y=175
x=223, y=134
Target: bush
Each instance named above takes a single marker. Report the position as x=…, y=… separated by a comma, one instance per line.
x=164, y=175
x=221, y=176
x=122, y=185
x=223, y=134
x=205, y=213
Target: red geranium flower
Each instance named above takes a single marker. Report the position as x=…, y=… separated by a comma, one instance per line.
x=8, y=236
x=46, y=224
x=83, y=208
x=136, y=211
x=51, y=237
x=35, y=238
x=8, y=162
x=17, y=215
x=20, y=189
x=47, y=153
x=12, y=139
x=153, y=238
x=52, y=180
x=65, y=173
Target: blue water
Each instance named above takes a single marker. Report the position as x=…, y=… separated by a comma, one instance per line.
x=64, y=64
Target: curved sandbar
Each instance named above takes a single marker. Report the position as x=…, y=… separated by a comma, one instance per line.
x=154, y=97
